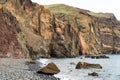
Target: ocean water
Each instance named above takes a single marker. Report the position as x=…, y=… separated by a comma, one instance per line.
x=110, y=70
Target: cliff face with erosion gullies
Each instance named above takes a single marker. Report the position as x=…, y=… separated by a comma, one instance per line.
x=29, y=30
x=99, y=31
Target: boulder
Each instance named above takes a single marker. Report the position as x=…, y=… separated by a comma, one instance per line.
x=86, y=65
x=50, y=69
x=93, y=74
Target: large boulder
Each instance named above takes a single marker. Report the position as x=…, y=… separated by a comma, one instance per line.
x=50, y=69
x=86, y=65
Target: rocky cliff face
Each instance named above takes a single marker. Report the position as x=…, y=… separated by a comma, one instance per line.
x=100, y=31
x=36, y=32
x=9, y=45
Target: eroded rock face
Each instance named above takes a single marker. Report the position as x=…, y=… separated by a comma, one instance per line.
x=99, y=31
x=40, y=33
x=9, y=45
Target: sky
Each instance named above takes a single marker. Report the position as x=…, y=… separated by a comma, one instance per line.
x=105, y=6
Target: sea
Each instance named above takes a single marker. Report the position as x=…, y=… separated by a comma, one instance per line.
x=110, y=68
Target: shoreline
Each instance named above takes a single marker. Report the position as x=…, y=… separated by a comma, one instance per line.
x=16, y=69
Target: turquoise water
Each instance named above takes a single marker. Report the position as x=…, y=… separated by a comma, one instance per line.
x=110, y=70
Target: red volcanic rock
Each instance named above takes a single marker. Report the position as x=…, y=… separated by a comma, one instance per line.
x=9, y=45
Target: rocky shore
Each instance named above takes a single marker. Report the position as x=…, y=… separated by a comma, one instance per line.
x=16, y=69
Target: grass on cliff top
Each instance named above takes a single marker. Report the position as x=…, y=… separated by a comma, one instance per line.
x=104, y=15
x=61, y=8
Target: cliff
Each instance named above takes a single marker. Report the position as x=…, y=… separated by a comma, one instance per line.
x=30, y=30
x=100, y=31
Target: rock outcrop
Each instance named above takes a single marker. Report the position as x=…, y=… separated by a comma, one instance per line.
x=36, y=32
x=99, y=31
x=9, y=45
x=42, y=35
x=85, y=65
x=50, y=69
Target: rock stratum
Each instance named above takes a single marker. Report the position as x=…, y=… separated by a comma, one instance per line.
x=30, y=30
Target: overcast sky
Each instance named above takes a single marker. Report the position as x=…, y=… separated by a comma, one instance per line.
x=111, y=6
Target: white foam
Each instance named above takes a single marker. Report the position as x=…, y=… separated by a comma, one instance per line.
x=110, y=71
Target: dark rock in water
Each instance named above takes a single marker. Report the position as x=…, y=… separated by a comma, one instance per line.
x=97, y=56
x=87, y=56
x=93, y=74
x=103, y=56
x=85, y=65
x=93, y=57
x=72, y=63
x=50, y=69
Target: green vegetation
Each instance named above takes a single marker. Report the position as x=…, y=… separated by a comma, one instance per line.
x=105, y=15
x=61, y=8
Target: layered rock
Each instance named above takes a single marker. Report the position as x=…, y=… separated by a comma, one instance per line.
x=42, y=35
x=69, y=32
x=99, y=31
x=9, y=45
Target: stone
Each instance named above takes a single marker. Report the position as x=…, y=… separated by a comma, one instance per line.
x=97, y=56
x=93, y=74
x=50, y=69
x=30, y=62
x=85, y=65
x=72, y=63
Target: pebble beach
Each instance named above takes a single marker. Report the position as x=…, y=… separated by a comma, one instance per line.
x=16, y=69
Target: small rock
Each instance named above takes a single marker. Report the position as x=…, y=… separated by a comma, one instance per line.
x=97, y=56
x=86, y=65
x=93, y=74
x=50, y=69
x=30, y=62
x=72, y=63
